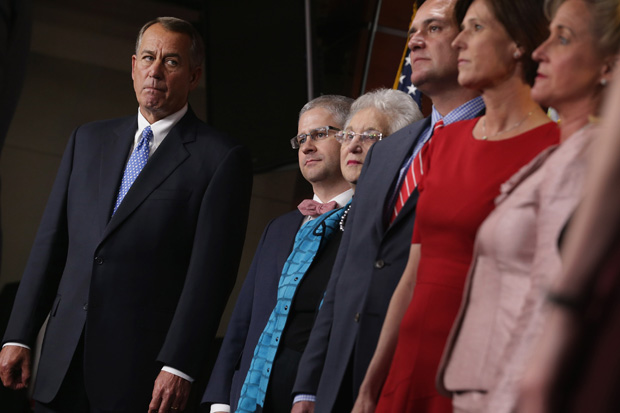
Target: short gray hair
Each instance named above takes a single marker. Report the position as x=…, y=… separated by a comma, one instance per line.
x=176, y=25
x=398, y=106
x=337, y=105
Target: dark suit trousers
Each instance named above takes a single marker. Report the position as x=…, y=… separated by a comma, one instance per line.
x=72, y=397
x=278, y=398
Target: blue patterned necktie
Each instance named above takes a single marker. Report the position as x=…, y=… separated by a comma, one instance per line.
x=136, y=162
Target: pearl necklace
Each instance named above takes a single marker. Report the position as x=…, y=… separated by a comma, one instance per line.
x=513, y=127
x=344, y=218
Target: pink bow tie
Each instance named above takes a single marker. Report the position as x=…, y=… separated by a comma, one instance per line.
x=314, y=208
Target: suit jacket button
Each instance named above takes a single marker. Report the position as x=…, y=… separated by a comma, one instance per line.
x=85, y=307
x=379, y=264
x=98, y=260
x=357, y=317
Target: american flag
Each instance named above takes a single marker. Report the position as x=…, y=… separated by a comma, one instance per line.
x=403, y=78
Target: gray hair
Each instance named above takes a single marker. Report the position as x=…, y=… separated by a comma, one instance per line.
x=604, y=22
x=398, y=106
x=337, y=105
x=176, y=25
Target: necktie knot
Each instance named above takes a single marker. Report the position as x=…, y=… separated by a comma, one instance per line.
x=147, y=136
x=438, y=125
x=313, y=208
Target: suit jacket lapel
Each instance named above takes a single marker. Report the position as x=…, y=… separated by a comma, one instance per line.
x=114, y=156
x=170, y=154
x=290, y=232
x=393, y=163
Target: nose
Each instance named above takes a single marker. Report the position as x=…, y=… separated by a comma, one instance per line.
x=156, y=69
x=538, y=55
x=458, y=43
x=307, y=146
x=355, y=146
x=415, y=41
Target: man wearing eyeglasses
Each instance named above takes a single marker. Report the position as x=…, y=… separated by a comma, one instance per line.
x=319, y=162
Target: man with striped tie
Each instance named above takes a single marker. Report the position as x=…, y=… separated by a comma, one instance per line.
x=375, y=248
x=138, y=248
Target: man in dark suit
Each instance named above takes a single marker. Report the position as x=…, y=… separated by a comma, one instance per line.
x=375, y=247
x=134, y=275
x=319, y=161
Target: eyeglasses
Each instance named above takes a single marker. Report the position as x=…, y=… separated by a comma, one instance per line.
x=366, y=138
x=316, y=135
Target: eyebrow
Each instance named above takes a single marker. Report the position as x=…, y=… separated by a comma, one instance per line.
x=472, y=20
x=151, y=52
x=366, y=129
x=562, y=28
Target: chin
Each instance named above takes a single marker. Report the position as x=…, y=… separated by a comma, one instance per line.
x=466, y=81
x=151, y=106
x=540, y=97
x=419, y=80
x=351, y=177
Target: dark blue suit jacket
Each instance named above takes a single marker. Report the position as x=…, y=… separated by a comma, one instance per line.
x=256, y=301
x=370, y=262
x=147, y=286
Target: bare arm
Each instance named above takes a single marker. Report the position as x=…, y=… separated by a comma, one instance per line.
x=380, y=364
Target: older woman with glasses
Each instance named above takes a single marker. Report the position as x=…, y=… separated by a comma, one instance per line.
x=373, y=117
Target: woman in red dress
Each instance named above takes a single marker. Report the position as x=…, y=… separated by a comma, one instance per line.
x=464, y=166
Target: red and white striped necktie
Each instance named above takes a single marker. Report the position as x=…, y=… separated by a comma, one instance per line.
x=412, y=177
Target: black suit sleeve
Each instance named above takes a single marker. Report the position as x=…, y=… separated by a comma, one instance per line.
x=46, y=263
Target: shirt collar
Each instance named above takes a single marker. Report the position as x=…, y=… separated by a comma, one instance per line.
x=161, y=128
x=467, y=110
x=341, y=199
